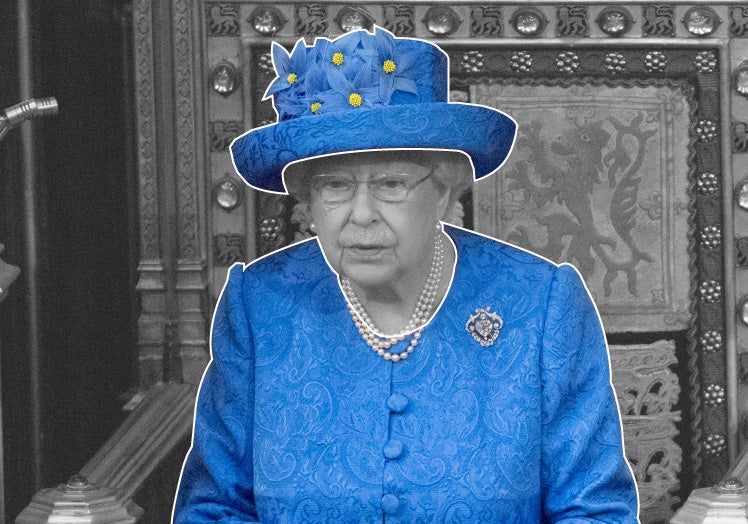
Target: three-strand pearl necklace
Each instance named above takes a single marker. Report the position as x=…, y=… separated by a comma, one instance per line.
x=424, y=306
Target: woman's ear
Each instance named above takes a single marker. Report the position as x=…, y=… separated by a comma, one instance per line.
x=444, y=201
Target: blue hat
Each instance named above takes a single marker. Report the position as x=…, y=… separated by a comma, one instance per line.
x=366, y=91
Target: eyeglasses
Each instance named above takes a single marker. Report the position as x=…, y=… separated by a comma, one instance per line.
x=336, y=189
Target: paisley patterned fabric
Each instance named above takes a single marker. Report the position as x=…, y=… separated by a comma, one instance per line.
x=298, y=420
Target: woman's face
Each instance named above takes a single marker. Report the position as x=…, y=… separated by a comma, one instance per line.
x=376, y=243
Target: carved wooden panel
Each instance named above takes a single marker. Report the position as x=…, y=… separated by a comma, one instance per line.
x=648, y=391
x=598, y=178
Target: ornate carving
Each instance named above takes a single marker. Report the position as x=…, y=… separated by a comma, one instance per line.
x=185, y=131
x=740, y=137
x=711, y=237
x=486, y=21
x=739, y=21
x=311, y=19
x=228, y=248
x=655, y=61
x=705, y=62
x=567, y=61
x=521, y=62
x=647, y=391
x=265, y=63
x=711, y=341
x=555, y=181
x=271, y=229
x=707, y=130
x=658, y=20
x=146, y=110
x=301, y=217
x=223, y=19
x=615, y=63
x=708, y=184
x=223, y=132
x=400, y=19
x=572, y=21
x=710, y=291
x=714, y=394
x=715, y=444
x=741, y=249
x=472, y=62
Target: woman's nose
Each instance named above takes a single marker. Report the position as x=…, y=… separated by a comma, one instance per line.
x=363, y=210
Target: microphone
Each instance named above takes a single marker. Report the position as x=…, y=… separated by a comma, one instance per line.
x=27, y=110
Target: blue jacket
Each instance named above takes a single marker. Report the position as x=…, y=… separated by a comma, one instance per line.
x=298, y=420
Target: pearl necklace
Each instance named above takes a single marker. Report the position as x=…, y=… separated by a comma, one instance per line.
x=382, y=345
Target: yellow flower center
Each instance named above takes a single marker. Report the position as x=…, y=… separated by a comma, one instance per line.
x=355, y=99
x=315, y=106
x=338, y=59
x=292, y=78
x=388, y=66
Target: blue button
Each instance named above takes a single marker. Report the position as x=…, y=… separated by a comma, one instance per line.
x=397, y=403
x=390, y=503
x=393, y=449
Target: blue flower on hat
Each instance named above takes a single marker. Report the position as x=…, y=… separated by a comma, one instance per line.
x=340, y=54
x=350, y=94
x=289, y=68
x=395, y=70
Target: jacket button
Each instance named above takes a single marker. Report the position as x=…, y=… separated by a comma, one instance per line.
x=390, y=503
x=393, y=449
x=397, y=403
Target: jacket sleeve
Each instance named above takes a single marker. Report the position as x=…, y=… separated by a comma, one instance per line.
x=585, y=475
x=216, y=483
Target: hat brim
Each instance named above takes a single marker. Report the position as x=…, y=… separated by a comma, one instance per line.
x=485, y=134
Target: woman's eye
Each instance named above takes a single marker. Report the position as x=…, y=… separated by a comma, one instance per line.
x=337, y=184
x=391, y=183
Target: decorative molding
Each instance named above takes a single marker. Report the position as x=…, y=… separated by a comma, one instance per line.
x=184, y=102
x=658, y=20
x=571, y=20
x=146, y=122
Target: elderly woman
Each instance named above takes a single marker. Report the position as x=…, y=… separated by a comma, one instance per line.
x=394, y=369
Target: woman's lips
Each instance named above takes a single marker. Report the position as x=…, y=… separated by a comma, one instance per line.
x=366, y=251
